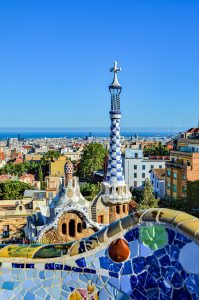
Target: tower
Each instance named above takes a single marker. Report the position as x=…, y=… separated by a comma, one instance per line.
x=113, y=201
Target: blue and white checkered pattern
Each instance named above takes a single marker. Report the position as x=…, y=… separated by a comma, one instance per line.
x=115, y=169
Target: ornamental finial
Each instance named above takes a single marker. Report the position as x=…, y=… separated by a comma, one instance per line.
x=115, y=69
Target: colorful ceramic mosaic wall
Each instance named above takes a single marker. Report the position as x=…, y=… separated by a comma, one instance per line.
x=149, y=255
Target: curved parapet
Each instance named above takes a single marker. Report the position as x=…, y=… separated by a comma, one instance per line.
x=152, y=254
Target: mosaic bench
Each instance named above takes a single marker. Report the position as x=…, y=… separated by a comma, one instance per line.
x=152, y=254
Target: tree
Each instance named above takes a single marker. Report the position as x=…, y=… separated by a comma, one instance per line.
x=90, y=190
x=155, y=150
x=12, y=189
x=52, y=154
x=40, y=176
x=92, y=160
x=148, y=199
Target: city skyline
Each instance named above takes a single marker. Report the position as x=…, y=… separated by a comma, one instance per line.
x=55, y=62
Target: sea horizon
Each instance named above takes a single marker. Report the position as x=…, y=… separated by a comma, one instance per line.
x=75, y=132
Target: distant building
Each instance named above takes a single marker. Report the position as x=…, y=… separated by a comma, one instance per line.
x=57, y=166
x=137, y=167
x=183, y=166
x=157, y=178
x=65, y=218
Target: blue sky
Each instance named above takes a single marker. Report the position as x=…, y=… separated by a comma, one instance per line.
x=55, y=58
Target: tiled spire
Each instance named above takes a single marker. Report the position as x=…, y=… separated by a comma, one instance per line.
x=115, y=169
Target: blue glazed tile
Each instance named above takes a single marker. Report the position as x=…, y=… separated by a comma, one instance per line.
x=152, y=294
x=192, y=283
x=42, y=275
x=50, y=266
x=103, y=294
x=150, y=283
x=138, y=264
x=144, y=250
x=184, y=274
x=138, y=295
x=81, y=262
x=132, y=235
x=142, y=278
x=8, y=285
x=76, y=269
x=154, y=270
x=86, y=270
x=160, y=252
x=183, y=238
x=164, y=297
x=115, y=267
x=29, y=296
x=30, y=266
x=164, y=261
x=178, y=243
x=67, y=268
x=164, y=287
x=127, y=269
x=58, y=267
x=181, y=294
x=174, y=252
x=174, y=277
x=126, y=285
x=177, y=265
x=113, y=274
x=104, y=262
x=18, y=266
x=151, y=260
x=171, y=235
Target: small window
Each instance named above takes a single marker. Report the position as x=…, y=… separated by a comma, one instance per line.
x=118, y=209
x=152, y=166
x=188, y=163
x=136, y=155
x=20, y=207
x=143, y=175
x=72, y=228
x=143, y=183
x=135, y=183
x=135, y=175
x=64, y=228
x=174, y=188
x=184, y=190
x=174, y=175
x=160, y=166
x=79, y=227
x=100, y=219
x=183, y=177
x=135, y=167
x=143, y=167
x=168, y=173
x=168, y=185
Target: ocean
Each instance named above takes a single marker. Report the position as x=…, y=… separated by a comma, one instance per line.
x=77, y=134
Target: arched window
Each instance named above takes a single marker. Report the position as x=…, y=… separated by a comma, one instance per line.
x=72, y=228
x=64, y=228
x=79, y=227
x=118, y=209
x=20, y=207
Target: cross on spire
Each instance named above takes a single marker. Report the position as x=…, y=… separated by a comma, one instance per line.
x=115, y=69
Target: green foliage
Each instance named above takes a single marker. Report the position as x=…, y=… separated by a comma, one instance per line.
x=90, y=190
x=148, y=199
x=92, y=160
x=156, y=150
x=30, y=167
x=13, y=189
x=51, y=154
